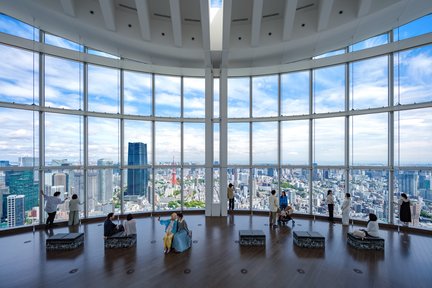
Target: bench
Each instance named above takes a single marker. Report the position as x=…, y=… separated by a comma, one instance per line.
x=309, y=239
x=252, y=238
x=120, y=240
x=65, y=241
x=366, y=243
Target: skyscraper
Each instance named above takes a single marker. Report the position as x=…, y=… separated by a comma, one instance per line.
x=408, y=182
x=105, y=182
x=137, y=179
x=15, y=210
x=24, y=183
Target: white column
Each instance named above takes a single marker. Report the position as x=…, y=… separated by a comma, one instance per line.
x=223, y=139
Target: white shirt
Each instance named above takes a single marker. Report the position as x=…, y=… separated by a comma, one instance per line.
x=274, y=203
x=330, y=199
x=130, y=227
x=51, y=203
x=373, y=228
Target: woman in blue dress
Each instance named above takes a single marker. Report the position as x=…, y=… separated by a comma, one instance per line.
x=182, y=240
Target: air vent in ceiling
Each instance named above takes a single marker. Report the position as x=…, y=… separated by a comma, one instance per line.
x=162, y=15
x=192, y=20
x=270, y=15
x=127, y=7
x=240, y=19
x=305, y=6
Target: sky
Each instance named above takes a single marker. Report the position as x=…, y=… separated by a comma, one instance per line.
x=368, y=89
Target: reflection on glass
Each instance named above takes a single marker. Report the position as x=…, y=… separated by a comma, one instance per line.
x=329, y=141
x=137, y=93
x=265, y=91
x=322, y=181
x=329, y=89
x=62, y=42
x=295, y=142
x=167, y=189
x=295, y=183
x=103, y=141
x=194, y=97
x=238, y=97
x=103, y=191
x=137, y=192
x=193, y=143
x=239, y=177
x=167, y=147
x=295, y=93
x=193, y=188
x=238, y=143
x=103, y=89
x=167, y=96
x=265, y=142
x=264, y=180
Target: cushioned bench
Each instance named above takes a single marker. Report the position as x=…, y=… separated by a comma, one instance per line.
x=120, y=240
x=65, y=241
x=252, y=238
x=367, y=243
x=309, y=239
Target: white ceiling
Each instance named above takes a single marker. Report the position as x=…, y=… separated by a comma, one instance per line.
x=256, y=32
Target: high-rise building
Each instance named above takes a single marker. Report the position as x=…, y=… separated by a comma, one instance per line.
x=61, y=180
x=105, y=182
x=15, y=210
x=408, y=182
x=137, y=179
x=23, y=183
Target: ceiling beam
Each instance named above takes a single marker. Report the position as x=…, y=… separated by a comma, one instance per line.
x=226, y=31
x=289, y=17
x=205, y=30
x=325, y=9
x=108, y=13
x=176, y=22
x=257, y=9
x=364, y=7
x=68, y=7
x=143, y=18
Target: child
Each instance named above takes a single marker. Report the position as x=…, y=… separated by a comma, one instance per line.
x=170, y=229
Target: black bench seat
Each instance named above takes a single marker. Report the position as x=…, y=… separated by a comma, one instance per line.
x=65, y=241
x=309, y=239
x=120, y=240
x=252, y=238
x=366, y=243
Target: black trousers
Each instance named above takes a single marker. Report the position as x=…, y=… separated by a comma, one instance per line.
x=231, y=204
x=50, y=219
x=330, y=210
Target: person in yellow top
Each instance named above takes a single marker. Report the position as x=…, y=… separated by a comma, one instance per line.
x=230, y=195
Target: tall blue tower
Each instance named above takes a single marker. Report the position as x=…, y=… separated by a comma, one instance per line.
x=137, y=179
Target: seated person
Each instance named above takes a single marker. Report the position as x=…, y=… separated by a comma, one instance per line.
x=285, y=215
x=182, y=239
x=170, y=230
x=372, y=228
x=109, y=227
x=130, y=225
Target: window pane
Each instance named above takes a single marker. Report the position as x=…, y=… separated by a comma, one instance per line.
x=265, y=96
x=194, y=97
x=238, y=143
x=167, y=189
x=103, y=54
x=216, y=143
x=264, y=181
x=417, y=27
x=63, y=83
x=194, y=143
x=295, y=93
x=369, y=139
x=137, y=135
x=329, y=89
x=322, y=181
x=103, y=89
x=238, y=97
x=295, y=183
x=265, y=143
x=239, y=177
x=167, y=143
x=62, y=42
x=369, y=43
x=329, y=141
x=15, y=27
x=216, y=98
x=216, y=186
x=137, y=192
x=369, y=83
x=20, y=137
x=19, y=76
x=193, y=188
x=369, y=194
x=103, y=141
x=329, y=54
x=103, y=191
x=413, y=137
x=295, y=142
x=137, y=93
x=63, y=139
x=167, y=96
x=412, y=75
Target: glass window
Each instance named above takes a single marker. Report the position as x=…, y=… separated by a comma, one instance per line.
x=194, y=97
x=295, y=93
x=216, y=97
x=322, y=181
x=369, y=194
x=238, y=97
x=103, y=54
x=137, y=143
x=103, y=191
x=167, y=189
x=369, y=139
x=193, y=188
x=329, y=54
x=216, y=186
x=412, y=74
x=264, y=180
x=15, y=27
x=328, y=145
x=103, y=141
x=167, y=96
x=369, y=43
x=63, y=83
x=137, y=192
x=63, y=139
x=19, y=80
x=193, y=143
x=239, y=177
x=265, y=143
x=238, y=143
x=103, y=89
x=295, y=184
x=414, y=28
x=265, y=99
x=295, y=142
x=369, y=83
x=329, y=89
x=137, y=93
x=62, y=42
x=216, y=143
x=167, y=147
x=413, y=137
x=20, y=137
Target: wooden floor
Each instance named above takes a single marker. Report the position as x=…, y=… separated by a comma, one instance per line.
x=216, y=260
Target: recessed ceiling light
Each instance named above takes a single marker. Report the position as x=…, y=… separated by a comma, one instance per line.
x=270, y=33
x=303, y=25
x=340, y=12
x=129, y=25
x=193, y=38
x=91, y=12
x=163, y=34
x=239, y=38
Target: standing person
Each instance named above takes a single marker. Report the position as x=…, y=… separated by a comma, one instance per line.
x=283, y=201
x=51, y=203
x=273, y=207
x=74, y=210
x=182, y=240
x=405, y=209
x=330, y=205
x=170, y=230
x=130, y=225
x=109, y=227
x=230, y=195
x=346, y=207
